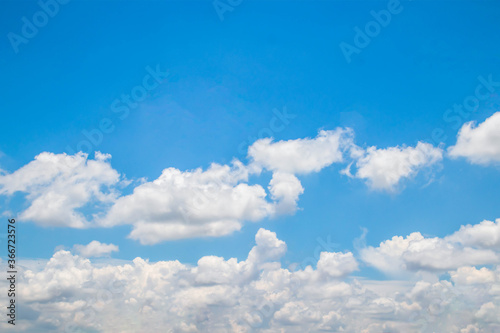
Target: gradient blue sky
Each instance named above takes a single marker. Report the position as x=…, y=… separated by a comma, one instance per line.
x=226, y=77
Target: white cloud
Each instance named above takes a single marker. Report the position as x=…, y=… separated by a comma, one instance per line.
x=288, y=158
x=468, y=246
x=301, y=156
x=74, y=191
x=383, y=169
x=479, y=144
x=337, y=264
x=155, y=232
x=269, y=247
x=484, y=235
x=471, y=275
x=95, y=249
x=285, y=190
x=179, y=204
x=489, y=313
x=196, y=203
x=72, y=293
x=62, y=276
x=59, y=184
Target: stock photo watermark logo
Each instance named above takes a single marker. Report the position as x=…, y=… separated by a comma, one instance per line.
x=279, y=121
x=372, y=29
x=30, y=27
x=222, y=6
x=459, y=113
x=122, y=107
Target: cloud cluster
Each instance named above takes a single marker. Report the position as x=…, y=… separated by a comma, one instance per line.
x=301, y=156
x=384, y=169
x=74, y=191
x=197, y=203
x=471, y=245
x=95, y=249
x=178, y=204
x=57, y=185
x=72, y=294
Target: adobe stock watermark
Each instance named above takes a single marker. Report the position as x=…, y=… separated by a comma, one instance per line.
x=372, y=29
x=30, y=27
x=278, y=122
x=457, y=115
x=222, y=6
x=122, y=107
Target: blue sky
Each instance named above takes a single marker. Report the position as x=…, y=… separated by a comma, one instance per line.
x=226, y=81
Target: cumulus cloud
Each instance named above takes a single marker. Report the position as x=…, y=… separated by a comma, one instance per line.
x=471, y=245
x=472, y=275
x=59, y=184
x=479, y=144
x=95, y=249
x=71, y=293
x=301, y=156
x=285, y=190
x=337, y=264
x=288, y=158
x=489, y=313
x=78, y=192
x=483, y=235
x=197, y=203
x=179, y=204
x=384, y=169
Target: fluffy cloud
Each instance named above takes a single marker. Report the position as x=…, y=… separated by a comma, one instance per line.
x=484, y=235
x=179, y=204
x=285, y=190
x=301, y=156
x=479, y=144
x=337, y=264
x=71, y=294
x=59, y=184
x=471, y=275
x=74, y=191
x=195, y=203
x=288, y=158
x=383, y=169
x=95, y=249
x=471, y=245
